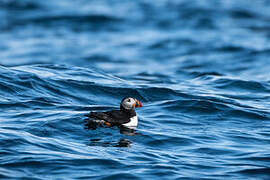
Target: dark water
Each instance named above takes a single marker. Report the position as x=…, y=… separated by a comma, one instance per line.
x=201, y=69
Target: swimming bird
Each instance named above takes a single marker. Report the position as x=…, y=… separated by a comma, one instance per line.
x=125, y=117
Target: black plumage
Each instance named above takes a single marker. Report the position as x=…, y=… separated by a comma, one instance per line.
x=114, y=117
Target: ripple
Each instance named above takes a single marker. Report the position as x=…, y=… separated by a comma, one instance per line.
x=241, y=85
x=89, y=19
x=200, y=69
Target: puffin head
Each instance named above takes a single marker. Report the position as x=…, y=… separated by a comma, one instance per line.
x=130, y=103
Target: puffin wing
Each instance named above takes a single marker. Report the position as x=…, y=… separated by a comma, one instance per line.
x=100, y=115
x=114, y=117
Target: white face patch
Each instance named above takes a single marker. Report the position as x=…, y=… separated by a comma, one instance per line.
x=128, y=103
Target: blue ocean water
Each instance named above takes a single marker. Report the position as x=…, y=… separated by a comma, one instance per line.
x=201, y=69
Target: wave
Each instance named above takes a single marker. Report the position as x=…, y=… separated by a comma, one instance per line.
x=242, y=85
x=200, y=69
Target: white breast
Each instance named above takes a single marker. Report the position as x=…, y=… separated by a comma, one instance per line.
x=132, y=123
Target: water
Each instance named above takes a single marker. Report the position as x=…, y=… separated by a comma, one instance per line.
x=201, y=69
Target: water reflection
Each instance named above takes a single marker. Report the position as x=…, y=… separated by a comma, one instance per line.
x=123, y=142
x=120, y=143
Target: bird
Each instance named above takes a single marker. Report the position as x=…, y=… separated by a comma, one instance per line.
x=125, y=117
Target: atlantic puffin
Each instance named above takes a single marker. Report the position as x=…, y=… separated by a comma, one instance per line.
x=125, y=117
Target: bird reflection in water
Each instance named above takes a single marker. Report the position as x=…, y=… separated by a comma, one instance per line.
x=123, y=142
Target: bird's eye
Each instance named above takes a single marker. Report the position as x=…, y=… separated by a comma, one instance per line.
x=128, y=100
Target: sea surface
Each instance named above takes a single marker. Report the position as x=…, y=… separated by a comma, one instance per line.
x=201, y=69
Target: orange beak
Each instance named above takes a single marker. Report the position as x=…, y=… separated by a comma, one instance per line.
x=138, y=104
